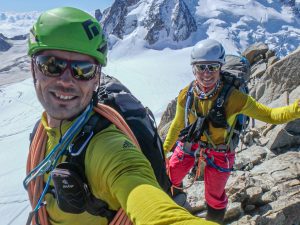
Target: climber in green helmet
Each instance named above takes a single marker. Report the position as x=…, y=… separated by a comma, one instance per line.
x=112, y=182
x=69, y=30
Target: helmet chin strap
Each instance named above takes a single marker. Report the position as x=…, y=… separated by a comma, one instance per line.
x=206, y=92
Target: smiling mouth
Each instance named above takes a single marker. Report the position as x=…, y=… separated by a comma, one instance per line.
x=208, y=80
x=63, y=97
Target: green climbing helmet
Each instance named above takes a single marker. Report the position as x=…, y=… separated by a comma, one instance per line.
x=68, y=29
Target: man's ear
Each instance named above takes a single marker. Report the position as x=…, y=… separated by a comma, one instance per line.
x=95, y=97
x=33, y=72
x=98, y=78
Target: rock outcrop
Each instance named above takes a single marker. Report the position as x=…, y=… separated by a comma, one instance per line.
x=4, y=45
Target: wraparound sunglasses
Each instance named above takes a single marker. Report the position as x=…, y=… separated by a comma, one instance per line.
x=53, y=66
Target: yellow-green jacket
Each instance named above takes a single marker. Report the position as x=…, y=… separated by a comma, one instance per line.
x=119, y=174
x=237, y=103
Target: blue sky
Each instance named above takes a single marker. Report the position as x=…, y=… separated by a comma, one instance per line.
x=42, y=5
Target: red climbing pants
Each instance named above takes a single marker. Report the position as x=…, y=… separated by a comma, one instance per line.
x=180, y=164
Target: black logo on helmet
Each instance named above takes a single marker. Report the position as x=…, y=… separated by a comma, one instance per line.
x=90, y=29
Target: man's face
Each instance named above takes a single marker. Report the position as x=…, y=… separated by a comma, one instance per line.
x=64, y=97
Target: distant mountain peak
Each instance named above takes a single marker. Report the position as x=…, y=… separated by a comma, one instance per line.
x=168, y=18
x=176, y=24
x=98, y=14
x=159, y=24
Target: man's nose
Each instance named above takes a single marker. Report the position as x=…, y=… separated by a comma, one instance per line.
x=67, y=75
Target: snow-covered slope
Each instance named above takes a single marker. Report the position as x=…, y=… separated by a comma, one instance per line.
x=18, y=111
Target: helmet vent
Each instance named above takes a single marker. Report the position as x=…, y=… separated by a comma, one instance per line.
x=102, y=49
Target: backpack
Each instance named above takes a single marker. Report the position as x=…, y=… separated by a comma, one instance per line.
x=141, y=121
x=235, y=74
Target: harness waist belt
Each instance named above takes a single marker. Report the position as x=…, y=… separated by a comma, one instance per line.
x=218, y=148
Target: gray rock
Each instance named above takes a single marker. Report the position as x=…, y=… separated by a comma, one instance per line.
x=4, y=45
x=233, y=211
x=281, y=212
x=283, y=76
x=254, y=155
x=270, y=53
x=258, y=70
x=279, y=169
x=272, y=60
x=268, y=197
x=195, y=196
x=260, y=90
x=163, y=131
x=254, y=195
x=245, y=220
x=256, y=52
x=168, y=115
x=249, y=208
x=284, y=136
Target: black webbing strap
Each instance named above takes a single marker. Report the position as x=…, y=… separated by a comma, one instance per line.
x=95, y=124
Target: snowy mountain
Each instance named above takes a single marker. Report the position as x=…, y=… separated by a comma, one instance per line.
x=177, y=24
x=160, y=20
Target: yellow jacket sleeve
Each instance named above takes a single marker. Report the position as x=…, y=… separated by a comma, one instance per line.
x=266, y=114
x=178, y=122
x=119, y=174
x=155, y=207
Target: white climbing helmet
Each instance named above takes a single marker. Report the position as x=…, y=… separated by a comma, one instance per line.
x=208, y=50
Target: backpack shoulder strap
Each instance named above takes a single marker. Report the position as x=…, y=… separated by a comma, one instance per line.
x=189, y=103
x=114, y=117
x=96, y=124
x=217, y=113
